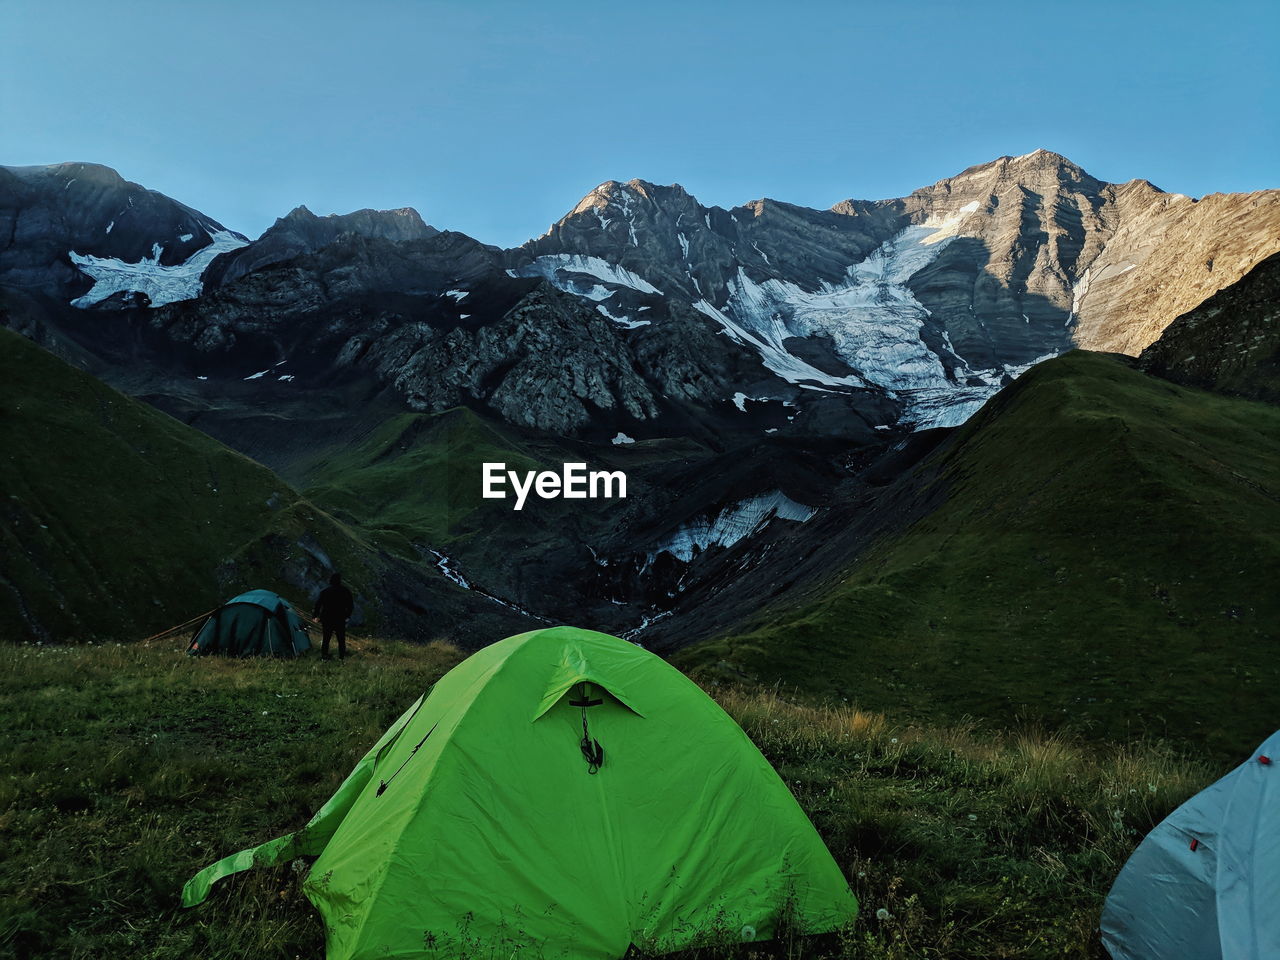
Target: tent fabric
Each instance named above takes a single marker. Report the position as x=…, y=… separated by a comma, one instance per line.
x=1218, y=900
x=257, y=623
x=475, y=826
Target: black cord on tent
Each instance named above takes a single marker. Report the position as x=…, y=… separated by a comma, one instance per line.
x=592, y=752
x=382, y=786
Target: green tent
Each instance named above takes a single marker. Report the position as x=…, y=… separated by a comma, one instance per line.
x=561, y=793
x=257, y=623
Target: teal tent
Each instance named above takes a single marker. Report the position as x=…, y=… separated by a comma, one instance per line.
x=255, y=624
x=559, y=794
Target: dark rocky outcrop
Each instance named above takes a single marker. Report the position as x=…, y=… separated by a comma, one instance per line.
x=301, y=231
x=1230, y=343
x=442, y=324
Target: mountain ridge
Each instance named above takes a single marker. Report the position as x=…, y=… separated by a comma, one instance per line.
x=926, y=304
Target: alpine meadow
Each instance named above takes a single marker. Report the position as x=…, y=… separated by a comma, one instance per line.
x=702, y=578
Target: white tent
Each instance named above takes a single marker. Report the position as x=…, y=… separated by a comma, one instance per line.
x=1205, y=883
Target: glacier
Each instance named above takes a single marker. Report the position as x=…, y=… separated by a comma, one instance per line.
x=874, y=323
x=733, y=523
x=872, y=319
x=163, y=284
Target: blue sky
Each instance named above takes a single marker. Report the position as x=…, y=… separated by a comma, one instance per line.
x=494, y=117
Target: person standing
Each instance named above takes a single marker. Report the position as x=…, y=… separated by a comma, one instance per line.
x=333, y=609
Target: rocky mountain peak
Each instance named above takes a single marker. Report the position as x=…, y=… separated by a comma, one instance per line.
x=599, y=196
x=401, y=223
x=613, y=193
x=1029, y=164
x=87, y=172
x=1039, y=157
x=301, y=231
x=1041, y=171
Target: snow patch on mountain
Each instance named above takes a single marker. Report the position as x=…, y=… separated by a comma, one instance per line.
x=622, y=319
x=1080, y=290
x=625, y=198
x=733, y=523
x=949, y=226
x=768, y=343
x=570, y=272
x=163, y=284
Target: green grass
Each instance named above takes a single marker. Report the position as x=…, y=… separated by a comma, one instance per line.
x=416, y=477
x=117, y=520
x=1100, y=556
x=127, y=768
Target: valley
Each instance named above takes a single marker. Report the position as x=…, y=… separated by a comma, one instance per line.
x=871, y=452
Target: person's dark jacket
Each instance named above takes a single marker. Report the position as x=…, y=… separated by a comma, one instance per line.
x=334, y=604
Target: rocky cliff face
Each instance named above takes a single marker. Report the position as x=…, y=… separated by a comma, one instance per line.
x=1168, y=254
x=442, y=324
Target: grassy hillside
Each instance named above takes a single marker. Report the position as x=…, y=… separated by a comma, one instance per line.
x=416, y=477
x=119, y=521
x=414, y=481
x=1103, y=558
x=130, y=767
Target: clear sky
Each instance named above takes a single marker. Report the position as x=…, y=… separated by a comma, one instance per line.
x=495, y=117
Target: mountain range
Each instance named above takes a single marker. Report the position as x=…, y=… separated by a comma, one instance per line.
x=822, y=414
